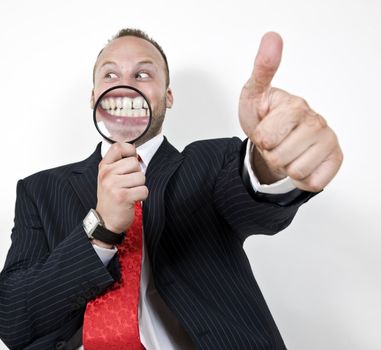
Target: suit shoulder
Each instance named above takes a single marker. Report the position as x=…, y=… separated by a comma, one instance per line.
x=62, y=172
x=215, y=146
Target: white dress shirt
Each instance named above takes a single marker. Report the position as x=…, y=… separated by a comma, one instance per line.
x=158, y=327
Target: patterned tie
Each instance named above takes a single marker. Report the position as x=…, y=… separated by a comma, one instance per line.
x=111, y=320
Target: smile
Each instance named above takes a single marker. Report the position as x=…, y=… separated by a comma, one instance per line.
x=125, y=106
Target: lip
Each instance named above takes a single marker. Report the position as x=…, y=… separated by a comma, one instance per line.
x=116, y=94
x=122, y=121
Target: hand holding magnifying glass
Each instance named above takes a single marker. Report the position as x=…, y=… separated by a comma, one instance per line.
x=122, y=114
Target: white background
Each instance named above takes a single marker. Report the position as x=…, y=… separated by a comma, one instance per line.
x=321, y=276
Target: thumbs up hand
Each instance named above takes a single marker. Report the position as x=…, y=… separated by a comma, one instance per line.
x=290, y=138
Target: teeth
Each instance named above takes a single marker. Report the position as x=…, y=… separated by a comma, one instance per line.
x=125, y=106
x=137, y=102
x=105, y=104
x=123, y=112
x=127, y=102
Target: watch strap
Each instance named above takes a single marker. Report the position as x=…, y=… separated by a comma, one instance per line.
x=103, y=234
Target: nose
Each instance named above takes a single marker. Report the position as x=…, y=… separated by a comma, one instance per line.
x=128, y=79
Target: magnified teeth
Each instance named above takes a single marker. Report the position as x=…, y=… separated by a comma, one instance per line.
x=119, y=102
x=127, y=102
x=125, y=106
x=105, y=104
x=137, y=102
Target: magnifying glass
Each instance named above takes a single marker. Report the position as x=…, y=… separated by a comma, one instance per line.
x=122, y=114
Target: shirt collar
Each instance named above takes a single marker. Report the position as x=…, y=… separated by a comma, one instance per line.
x=146, y=151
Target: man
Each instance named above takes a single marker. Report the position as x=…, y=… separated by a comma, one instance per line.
x=196, y=286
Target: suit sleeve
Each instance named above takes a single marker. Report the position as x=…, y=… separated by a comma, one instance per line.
x=246, y=211
x=42, y=288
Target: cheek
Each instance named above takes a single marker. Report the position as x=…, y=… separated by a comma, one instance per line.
x=154, y=97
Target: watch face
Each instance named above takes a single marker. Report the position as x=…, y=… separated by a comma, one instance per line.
x=90, y=222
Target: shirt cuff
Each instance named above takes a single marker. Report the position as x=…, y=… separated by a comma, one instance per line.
x=282, y=186
x=105, y=254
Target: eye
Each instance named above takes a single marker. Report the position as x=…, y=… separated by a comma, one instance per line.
x=142, y=75
x=110, y=75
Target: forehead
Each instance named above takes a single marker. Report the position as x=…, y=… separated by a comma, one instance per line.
x=130, y=49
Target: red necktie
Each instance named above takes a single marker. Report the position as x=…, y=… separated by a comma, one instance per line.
x=111, y=320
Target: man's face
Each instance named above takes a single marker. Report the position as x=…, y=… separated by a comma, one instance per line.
x=135, y=62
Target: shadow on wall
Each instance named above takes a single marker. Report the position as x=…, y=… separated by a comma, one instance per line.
x=202, y=109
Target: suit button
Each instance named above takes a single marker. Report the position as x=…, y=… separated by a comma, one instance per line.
x=60, y=345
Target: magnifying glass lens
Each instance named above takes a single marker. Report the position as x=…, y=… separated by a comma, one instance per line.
x=122, y=114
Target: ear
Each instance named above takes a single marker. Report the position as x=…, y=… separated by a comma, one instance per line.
x=92, y=102
x=169, y=98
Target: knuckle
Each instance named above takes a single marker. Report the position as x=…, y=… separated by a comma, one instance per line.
x=299, y=103
x=145, y=191
x=133, y=163
x=102, y=166
x=257, y=136
x=263, y=139
x=316, y=121
x=334, y=140
x=315, y=184
x=340, y=155
x=131, y=148
x=116, y=147
x=102, y=176
x=297, y=172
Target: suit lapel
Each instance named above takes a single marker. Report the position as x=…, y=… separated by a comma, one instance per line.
x=161, y=168
x=84, y=179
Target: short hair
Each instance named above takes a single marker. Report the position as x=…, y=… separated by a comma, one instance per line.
x=142, y=35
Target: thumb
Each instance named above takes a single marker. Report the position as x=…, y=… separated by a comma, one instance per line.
x=266, y=63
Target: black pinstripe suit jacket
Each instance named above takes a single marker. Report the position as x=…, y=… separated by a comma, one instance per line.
x=196, y=218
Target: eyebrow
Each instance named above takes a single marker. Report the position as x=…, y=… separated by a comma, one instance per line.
x=107, y=63
x=140, y=63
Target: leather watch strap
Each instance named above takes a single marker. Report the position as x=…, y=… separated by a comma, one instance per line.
x=103, y=234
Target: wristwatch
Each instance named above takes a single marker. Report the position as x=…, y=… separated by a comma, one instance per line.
x=94, y=228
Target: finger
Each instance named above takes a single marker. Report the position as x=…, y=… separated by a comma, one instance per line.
x=305, y=164
x=130, y=180
x=298, y=141
x=118, y=151
x=266, y=62
x=323, y=174
x=135, y=194
x=277, y=125
x=125, y=166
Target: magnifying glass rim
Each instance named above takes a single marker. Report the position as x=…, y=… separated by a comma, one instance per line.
x=121, y=87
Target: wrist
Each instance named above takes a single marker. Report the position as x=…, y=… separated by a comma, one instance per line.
x=263, y=172
x=95, y=229
x=101, y=244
